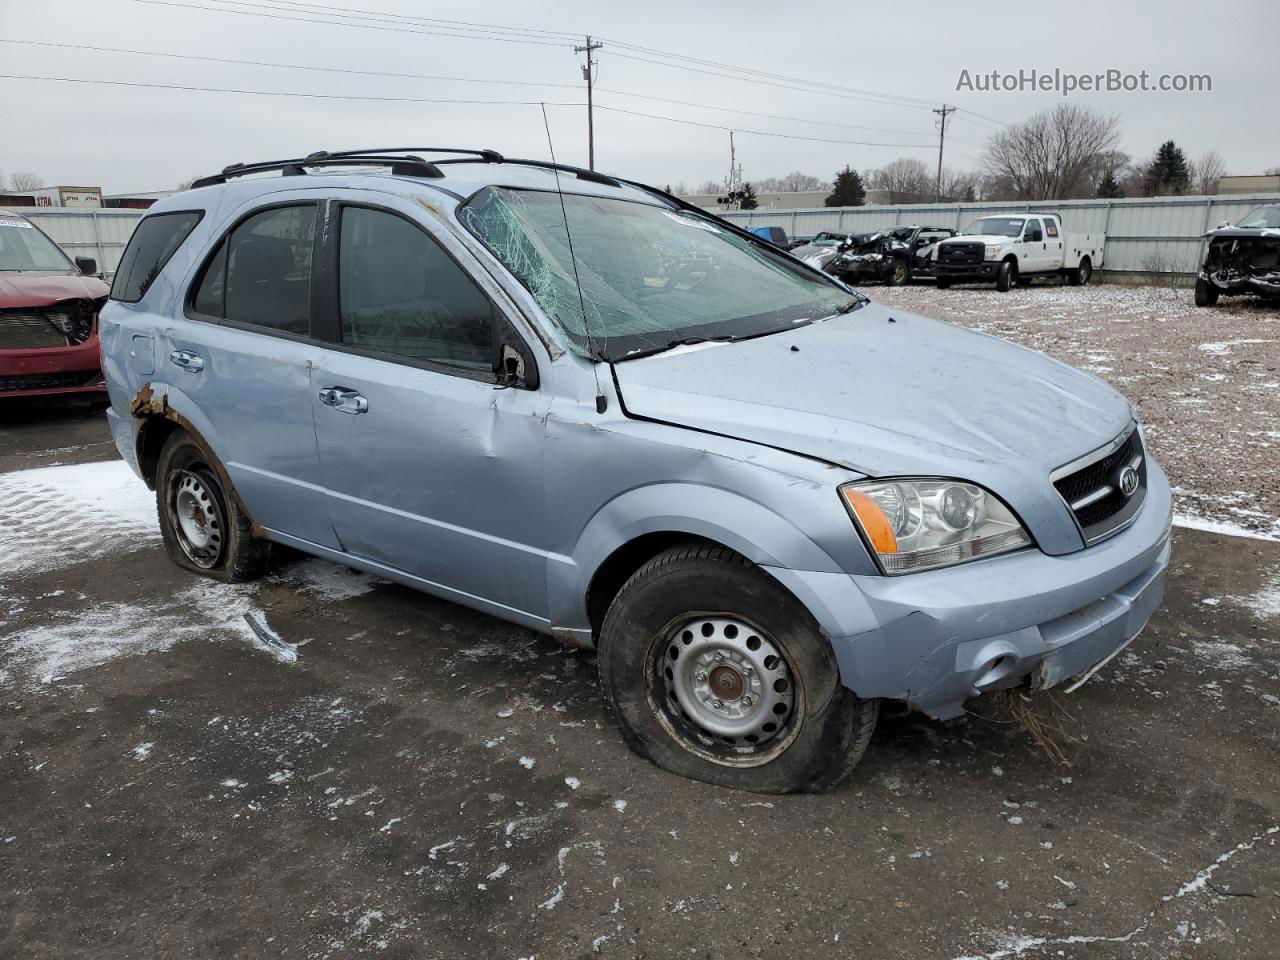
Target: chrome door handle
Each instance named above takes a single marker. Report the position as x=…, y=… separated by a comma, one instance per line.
x=188, y=361
x=344, y=400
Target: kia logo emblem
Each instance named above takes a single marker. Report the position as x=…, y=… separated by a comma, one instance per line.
x=1128, y=481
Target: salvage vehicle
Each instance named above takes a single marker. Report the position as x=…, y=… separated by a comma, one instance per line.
x=1018, y=249
x=48, y=315
x=1244, y=259
x=891, y=256
x=775, y=235
x=589, y=408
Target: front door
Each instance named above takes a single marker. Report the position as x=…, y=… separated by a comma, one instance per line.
x=431, y=466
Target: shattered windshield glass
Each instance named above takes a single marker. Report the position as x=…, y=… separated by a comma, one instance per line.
x=650, y=277
x=1266, y=218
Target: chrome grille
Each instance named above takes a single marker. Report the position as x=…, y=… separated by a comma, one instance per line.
x=1093, y=489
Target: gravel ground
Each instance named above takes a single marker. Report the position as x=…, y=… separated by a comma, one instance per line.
x=1206, y=381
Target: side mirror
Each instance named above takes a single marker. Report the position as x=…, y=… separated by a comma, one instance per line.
x=516, y=366
x=1037, y=236
x=87, y=265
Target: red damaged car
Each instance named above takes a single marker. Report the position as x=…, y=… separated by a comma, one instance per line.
x=48, y=315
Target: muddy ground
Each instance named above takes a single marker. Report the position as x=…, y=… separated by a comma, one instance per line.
x=428, y=782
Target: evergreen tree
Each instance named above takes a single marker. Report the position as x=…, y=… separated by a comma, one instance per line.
x=748, y=201
x=1168, y=173
x=848, y=190
x=1109, y=187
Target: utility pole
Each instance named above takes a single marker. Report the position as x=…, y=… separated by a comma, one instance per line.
x=588, y=74
x=942, y=135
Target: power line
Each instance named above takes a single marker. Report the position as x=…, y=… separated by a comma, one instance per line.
x=284, y=66
x=762, y=133
x=322, y=8
x=283, y=93
x=338, y=23
x=422, y=76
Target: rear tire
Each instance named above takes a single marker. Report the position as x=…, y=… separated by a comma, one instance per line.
x=204, y=527
x=1081, y=274
x=713, y=671
x=1006, y=276
x=1206, y=293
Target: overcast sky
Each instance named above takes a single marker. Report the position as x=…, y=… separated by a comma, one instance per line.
x=137, y=139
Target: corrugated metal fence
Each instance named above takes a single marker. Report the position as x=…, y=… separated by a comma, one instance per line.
x=1144, y=235
x=100, y=234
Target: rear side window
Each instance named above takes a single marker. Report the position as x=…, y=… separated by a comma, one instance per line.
x=399, y=293
x=154, y=241
x=1051, y=226
x=260, y=273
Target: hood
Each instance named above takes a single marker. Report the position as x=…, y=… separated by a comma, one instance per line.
x=887, y=393
x=983, y=238
x=1241, y=233
x=43, y=289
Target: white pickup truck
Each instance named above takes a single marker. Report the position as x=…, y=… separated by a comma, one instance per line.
x=1016, y=249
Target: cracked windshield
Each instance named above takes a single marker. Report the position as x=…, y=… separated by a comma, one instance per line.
x=651, y=278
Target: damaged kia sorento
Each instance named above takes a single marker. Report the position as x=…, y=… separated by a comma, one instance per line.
x=583, y=406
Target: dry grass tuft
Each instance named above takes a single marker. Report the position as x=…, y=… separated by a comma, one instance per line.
x=1043, y=715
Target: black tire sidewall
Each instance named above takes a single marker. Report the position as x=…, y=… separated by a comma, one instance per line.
x=240, y=553
x=1006, y=276
x=693, y=583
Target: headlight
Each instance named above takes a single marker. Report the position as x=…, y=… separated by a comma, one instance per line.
x=994, y=252
x=923, y=524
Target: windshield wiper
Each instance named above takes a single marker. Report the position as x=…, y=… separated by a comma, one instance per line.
x=853, y=305
x=678, y=342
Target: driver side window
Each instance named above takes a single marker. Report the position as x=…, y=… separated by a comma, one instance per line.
x=400, y=294
x=1029, y=232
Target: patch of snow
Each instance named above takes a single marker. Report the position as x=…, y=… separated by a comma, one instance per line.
x=329, y=581
x=620, y=806
x=52, y=517
x=573, y=783
x=143, y=750
x=527, y=762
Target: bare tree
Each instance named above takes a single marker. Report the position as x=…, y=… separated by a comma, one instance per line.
x=709, y=186
x=1054, y=154
x=959, y=185
x=906, y=180
x=25, y=180
x=1206, y=171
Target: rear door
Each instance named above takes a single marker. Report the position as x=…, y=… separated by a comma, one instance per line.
x=431, y=466
x=1053, y=242
x=243, y=354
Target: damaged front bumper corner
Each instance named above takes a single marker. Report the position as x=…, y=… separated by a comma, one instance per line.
x=937, y=639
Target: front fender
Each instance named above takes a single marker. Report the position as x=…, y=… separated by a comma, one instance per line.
x=752, y=529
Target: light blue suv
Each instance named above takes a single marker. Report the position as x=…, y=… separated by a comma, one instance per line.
x=581, y=405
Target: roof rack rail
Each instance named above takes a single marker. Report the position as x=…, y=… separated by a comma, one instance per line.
x=402, y=163
x=401, y=160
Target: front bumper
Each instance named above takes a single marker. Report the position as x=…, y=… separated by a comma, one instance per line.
x=52, y=370
x=936, y=639
x=986, y=270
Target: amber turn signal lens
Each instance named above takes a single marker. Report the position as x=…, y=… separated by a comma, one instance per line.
x=872, y=520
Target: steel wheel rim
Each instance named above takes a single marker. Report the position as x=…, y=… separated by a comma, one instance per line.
x=199, y=522
x=701, y=660
x=899, y=273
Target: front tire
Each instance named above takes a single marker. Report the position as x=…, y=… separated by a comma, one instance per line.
x=713, y=671
x=1206, y=293
x=900, y=274
x=205, y=530
x=1007, y=276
